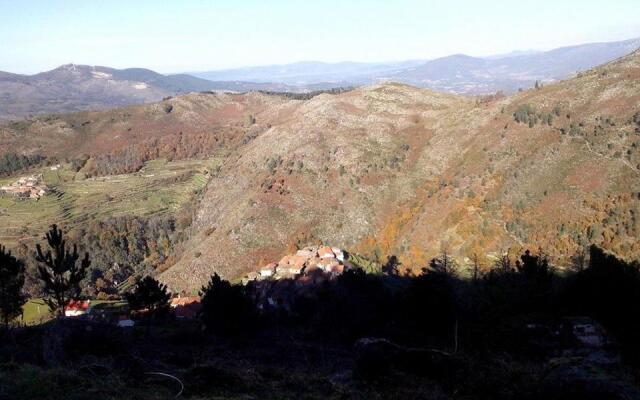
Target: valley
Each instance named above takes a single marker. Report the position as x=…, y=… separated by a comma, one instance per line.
x=320, y=200
x=380, y=170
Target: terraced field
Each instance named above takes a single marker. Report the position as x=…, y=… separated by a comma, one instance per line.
x=160, y=187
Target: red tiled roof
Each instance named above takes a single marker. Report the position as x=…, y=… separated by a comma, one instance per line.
x=79, y=305
x=184, y=301
x=325, y=252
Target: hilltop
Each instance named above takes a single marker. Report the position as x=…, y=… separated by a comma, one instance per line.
x=72, y=87
x=380, y=170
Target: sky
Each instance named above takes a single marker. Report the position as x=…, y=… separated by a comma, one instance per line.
x=190, y=35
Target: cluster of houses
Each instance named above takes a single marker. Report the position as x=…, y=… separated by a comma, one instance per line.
x=278, y=285
x=27, y=187
x=319, y=261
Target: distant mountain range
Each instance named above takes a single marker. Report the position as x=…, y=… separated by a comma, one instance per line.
x=471, y=75
x=312, y=72
x=460, y=74
x=80, y=87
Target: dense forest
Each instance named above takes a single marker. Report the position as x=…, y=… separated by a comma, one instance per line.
x=11, y=162
x=132, y=158
x=121, y=248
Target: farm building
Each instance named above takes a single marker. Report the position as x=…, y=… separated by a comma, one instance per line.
x=186, y=307
x=28, y=187
x=77, y=308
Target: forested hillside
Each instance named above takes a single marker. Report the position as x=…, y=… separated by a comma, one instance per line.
x=387, y=169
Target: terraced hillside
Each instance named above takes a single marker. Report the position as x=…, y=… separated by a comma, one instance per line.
x=159, y=188
x=386, y=169
x=396, y=170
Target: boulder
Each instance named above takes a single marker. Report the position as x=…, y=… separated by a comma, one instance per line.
x=336, y=269
x=298, y=262
x=313, y=264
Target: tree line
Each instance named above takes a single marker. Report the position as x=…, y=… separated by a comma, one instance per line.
x=120, y=247
x=12, y=162
x=437, y=307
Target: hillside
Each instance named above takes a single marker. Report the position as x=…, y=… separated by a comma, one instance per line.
x=396, y=170
x=385, y=169
x=73, y=87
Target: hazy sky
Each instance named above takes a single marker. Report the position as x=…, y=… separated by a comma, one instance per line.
x=190, y=35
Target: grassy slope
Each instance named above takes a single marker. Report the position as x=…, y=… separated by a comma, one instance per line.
x=151, y=191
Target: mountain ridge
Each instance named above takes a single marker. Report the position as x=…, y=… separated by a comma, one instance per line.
x=480, y=75
x=470, y=178
x=380, y=170
x=73, y=87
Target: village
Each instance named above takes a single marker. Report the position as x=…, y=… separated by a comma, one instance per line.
x=269, y=287
x=310, y=264
x=27, y=187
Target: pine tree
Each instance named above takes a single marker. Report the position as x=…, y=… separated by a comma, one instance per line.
x=226, y=308
x=443, y=265
x=392, y=266
x=11, y=282
x=149, y=294
x=59, y=271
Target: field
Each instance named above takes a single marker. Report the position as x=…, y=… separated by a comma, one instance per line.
x=159, y=187
x=36, y=311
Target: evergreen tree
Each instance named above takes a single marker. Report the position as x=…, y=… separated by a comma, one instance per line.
x=391, y=267
x=226, y=309
x=11, y=282
x=443, y=265
x=149, y=294
x=534, y=268
x=59, y=271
